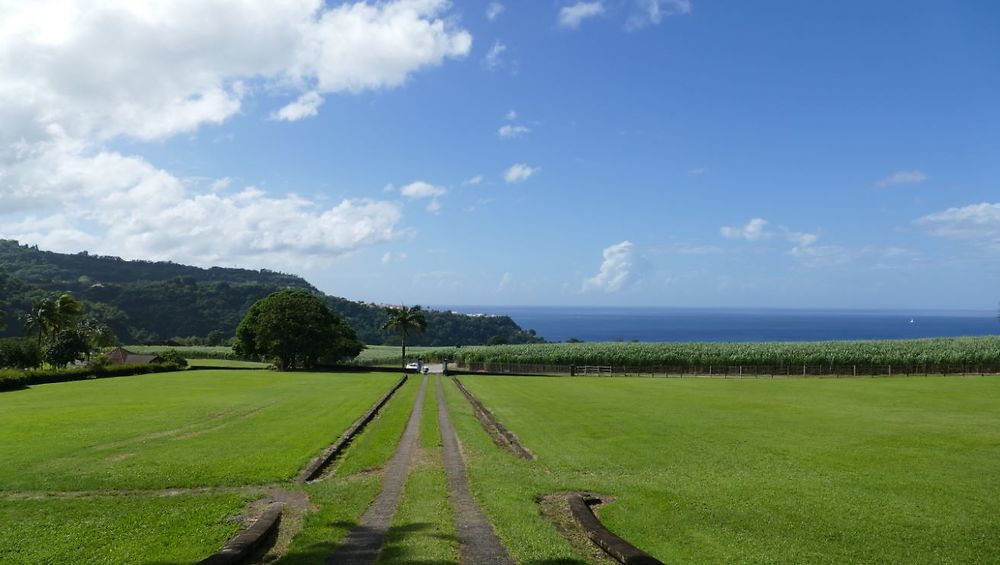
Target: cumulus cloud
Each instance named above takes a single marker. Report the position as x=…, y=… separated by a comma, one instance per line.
x=754, y=230
x=616, y=270
x=305, y=106
x=519, y=172
x=494, y=10
x=902, y=177
x=652, y=12
x=570, y=17
x=977, y=222
x=511, y=131
x=511, y=115
x=494, y=57
x=473, y=181
x=87, y=72
x=119, y=205
x=421, y=189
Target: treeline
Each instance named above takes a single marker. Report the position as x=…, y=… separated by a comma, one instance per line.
x=150, y=302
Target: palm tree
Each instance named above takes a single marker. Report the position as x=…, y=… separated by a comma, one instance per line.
x=68, y=310
x=41, y=319
x=51, y=315
x=403, y=320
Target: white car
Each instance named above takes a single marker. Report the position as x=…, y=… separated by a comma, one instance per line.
x=413, y=366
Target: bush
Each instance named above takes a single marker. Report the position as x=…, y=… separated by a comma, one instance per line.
x=173, y=356
x=19, y=353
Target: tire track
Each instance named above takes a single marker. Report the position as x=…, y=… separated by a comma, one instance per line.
x=477, y=542
x=363, y=543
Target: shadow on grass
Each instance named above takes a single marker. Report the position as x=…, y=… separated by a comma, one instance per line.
x=393, y=550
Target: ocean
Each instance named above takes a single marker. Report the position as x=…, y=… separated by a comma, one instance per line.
x=711, y=324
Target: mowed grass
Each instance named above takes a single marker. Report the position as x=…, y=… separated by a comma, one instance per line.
x=186, y=429
x=339, y=500
x=783, y=471
x=226, y=364
x=117, y=529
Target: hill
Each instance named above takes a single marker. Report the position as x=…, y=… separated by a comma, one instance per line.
x=151, y=301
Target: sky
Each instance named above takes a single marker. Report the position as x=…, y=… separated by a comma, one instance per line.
x=677, y=153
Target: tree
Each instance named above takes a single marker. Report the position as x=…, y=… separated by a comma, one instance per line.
x=403, y=320
x=67, y=346
x=40, y=319
x=296, y=329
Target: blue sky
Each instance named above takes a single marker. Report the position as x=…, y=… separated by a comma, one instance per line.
x=616, y=152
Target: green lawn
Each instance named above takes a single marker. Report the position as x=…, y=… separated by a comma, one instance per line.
x=226, y=364
x=194, y=428
x=784, y=471
x=116, y=529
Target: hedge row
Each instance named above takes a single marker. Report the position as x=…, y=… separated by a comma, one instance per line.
x=12, y=379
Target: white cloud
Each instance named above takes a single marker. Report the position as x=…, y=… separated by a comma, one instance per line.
x=902, y=177
x=511, y=115
x=434, y=206
x=478, y=179
x=493, y=58
x=974, y=222
x=616, y=269
x=511, y=131
x=87, y=72
x=519, y=172
x=570, y=17
x=113, y=204
x=389, y=257
x=494, y=10
x=421, y=189
x=697, y=172
x=652, y=12
x=505, y=282
x=153, y=69
x=305, y=106
x=221, y=184
x=754, y=230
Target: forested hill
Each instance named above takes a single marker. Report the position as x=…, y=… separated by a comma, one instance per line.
x=154, y=301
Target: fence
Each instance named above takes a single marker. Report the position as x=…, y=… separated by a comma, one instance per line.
x=732, y=371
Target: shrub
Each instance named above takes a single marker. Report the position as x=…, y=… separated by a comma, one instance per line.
x=19, y=353
x=173, y=356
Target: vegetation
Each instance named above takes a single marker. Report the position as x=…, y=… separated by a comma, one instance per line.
x=784, y=471
x=185, y=429
x=403, y=320
x=296, y=329
x=933, y=354
x=144, y=301
x=341, y=499
x=388, y=355
x=116, y=528
x=13, y=379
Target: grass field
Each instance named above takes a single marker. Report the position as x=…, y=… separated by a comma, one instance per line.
x=226, y=364
x=789, y=471
x=194, y=428
x=74, y=454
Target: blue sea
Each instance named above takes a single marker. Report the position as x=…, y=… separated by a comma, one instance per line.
x=711, y=324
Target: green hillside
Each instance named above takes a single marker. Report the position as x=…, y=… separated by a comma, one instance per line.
x=154, y=301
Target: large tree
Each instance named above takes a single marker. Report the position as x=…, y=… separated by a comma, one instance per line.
x=403, y=320
x=295, y=329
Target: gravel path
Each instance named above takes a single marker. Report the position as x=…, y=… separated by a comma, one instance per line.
x=478, y=543
x=364, y=542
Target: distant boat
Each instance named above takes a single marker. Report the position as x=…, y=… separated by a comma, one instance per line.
x=912, y=321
